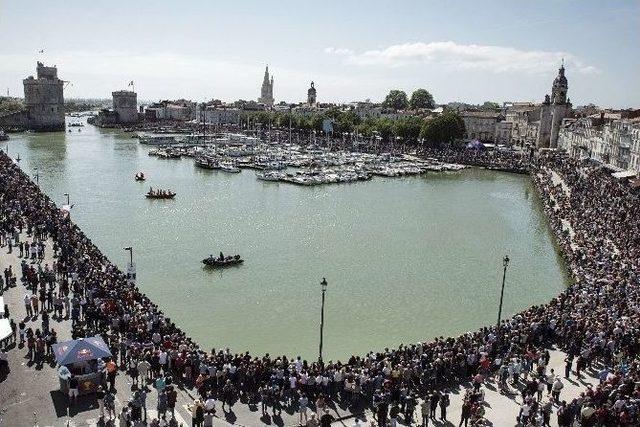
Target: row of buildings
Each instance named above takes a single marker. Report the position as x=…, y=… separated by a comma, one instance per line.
x=609, y=138
x=523, y=123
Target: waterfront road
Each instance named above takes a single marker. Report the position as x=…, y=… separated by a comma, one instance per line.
x=29, y=393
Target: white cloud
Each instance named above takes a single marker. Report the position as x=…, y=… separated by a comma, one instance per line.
x=496, y=59
x=338, y=51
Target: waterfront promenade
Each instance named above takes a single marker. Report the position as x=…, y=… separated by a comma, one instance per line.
x=577, y=319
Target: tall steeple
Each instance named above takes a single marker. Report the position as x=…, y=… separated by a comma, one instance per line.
x=266, y=92
x=553, y=110
x=266, y=75
x=560, y=87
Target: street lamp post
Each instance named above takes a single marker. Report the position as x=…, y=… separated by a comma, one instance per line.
x=323, y=284
x=131, y=270
x=130, y=249
x=505, y=263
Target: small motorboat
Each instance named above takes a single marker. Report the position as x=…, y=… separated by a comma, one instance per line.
x=140, y=176
x=222, y=261
x=160, y=194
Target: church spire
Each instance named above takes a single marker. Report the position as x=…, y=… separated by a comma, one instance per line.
x=266, y=75
x=266, y=92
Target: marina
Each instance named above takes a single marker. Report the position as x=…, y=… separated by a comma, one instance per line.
x=299, y=165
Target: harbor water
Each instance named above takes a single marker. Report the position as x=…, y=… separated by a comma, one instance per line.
x=406, y=259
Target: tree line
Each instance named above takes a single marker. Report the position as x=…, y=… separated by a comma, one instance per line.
x=433, y=131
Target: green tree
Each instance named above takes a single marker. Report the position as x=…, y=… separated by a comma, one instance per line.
x=316, y=122
x=396, y=99
x=490, y=105
x=443, y=129
x=421, y=98
x=408, y=128
x=384, y=127
x=347, y=121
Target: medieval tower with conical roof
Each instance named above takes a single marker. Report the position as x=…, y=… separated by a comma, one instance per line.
x=266, y=92
x=553, y=110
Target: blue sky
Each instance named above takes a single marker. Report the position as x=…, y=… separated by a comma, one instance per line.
x=459, y=50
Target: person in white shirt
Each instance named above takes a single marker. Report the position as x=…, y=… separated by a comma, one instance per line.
x=210, y=404
x=556, y=388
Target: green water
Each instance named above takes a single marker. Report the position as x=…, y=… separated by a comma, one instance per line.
x=406, y=259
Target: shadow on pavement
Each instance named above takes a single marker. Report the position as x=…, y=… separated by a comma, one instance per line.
x=4, y=372
x=60, y=403
x=62, y=408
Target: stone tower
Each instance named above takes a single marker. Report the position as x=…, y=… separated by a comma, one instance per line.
x=311, y=95
x=125, y=105
x=44, y=100
x=266, y=92
x=553, y=110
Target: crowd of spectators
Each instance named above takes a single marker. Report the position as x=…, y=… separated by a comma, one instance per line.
x=595, y=320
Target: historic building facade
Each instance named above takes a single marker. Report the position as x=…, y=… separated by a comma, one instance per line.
x=553, y=110
x=218, y=114
x=524, y=118
x=266, y=92
x=481, y=125
x=614, y=142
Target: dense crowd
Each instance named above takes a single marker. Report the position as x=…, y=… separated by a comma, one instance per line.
x=502, y=159
x=595, y=320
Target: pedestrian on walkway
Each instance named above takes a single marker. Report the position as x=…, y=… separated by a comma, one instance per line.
x=465, y=414
x=444, y=404
x=27, y=305
x=112, y=372
x=303, y=404
x=110, y=404
x=393, y=414
x=556, y=388
x=424, y=411
x=124, y=417
x=568, y=361
x=197, y=413
x=434, y=399
x=172, y=398
x=162, y=403
x=100, y=398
